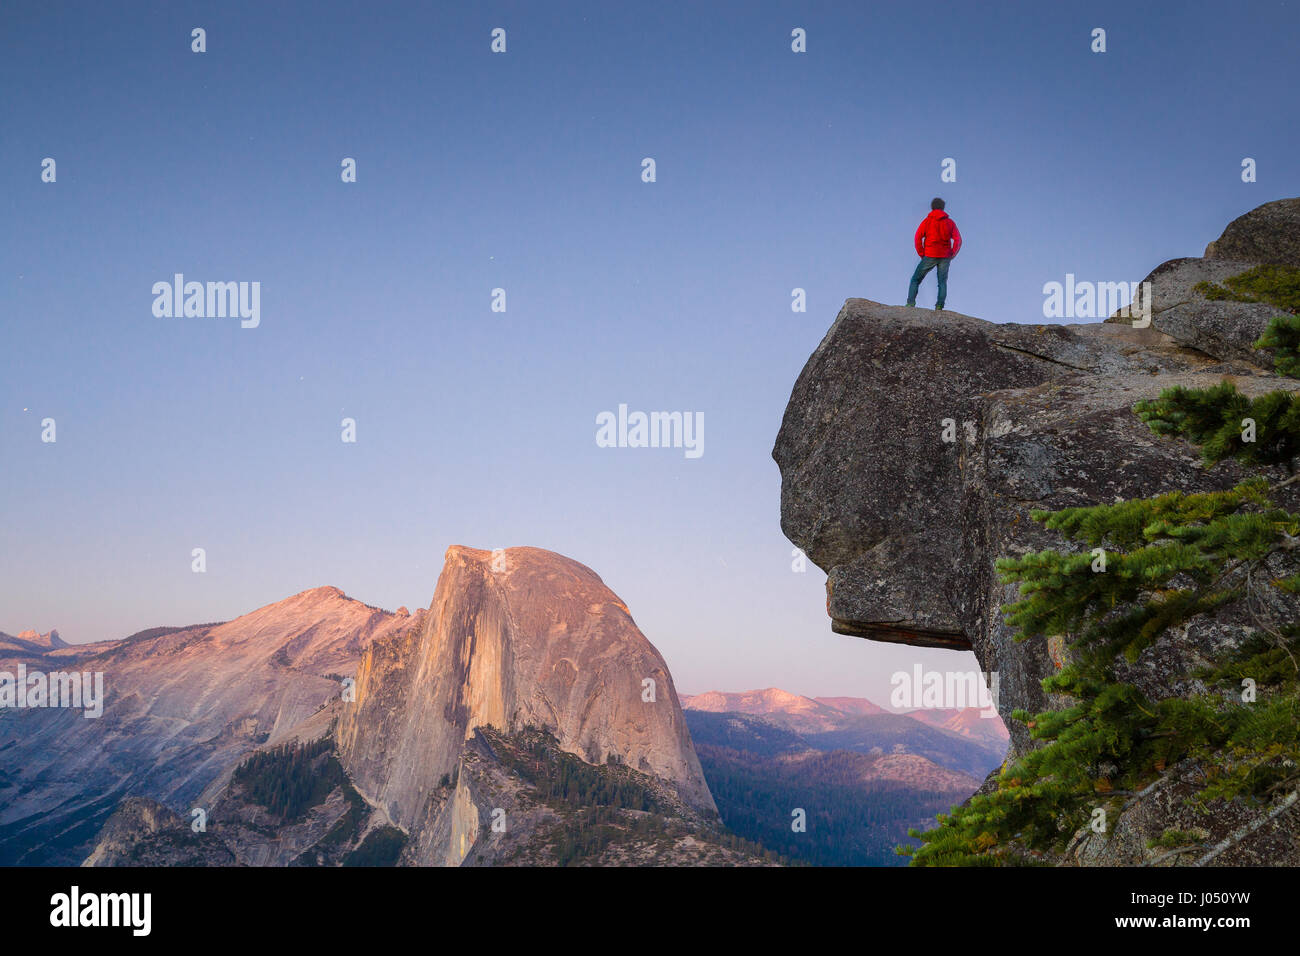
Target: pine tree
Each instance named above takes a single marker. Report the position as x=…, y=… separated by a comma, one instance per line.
x=1137, y=570
x=1282, y=338
x=1261, y=431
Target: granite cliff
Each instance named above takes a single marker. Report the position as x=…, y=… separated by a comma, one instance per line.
x=916, y=444
x=525, y=697
x=520, y=638
x=182, y=706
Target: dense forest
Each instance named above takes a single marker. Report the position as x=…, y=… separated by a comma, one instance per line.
x=600, y=805
x=291, y=779
x=849, y=822
x=559, y=777
x=381, y=847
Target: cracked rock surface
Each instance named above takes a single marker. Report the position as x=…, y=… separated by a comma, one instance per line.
x=915, y=445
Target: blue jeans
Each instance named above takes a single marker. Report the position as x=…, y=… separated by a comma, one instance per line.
x=922, y=270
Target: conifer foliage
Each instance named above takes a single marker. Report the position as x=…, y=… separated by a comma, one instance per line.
x=1259, y=431
x=1276, y=285
x=1282, y=338
x=1134, y=572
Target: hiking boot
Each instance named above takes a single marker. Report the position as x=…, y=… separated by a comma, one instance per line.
x=938, y=308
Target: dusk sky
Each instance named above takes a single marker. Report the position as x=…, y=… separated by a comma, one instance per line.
x=775, y=170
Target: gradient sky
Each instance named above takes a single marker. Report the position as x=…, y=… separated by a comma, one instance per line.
x=522, y=171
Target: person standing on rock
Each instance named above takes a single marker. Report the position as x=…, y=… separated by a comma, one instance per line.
x=937, y=243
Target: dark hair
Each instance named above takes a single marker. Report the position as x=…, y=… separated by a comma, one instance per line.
x=936, y=203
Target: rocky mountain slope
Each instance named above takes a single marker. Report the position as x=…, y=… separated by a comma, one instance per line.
x=517, y=638
x=535, y=805
x=27, y=643
x=858, y=804
x=790, y=710
x=908, y=526
x=864, y=776
x=525, y=697
x=852, y=705
x=182, y=707
x=144, y=832
x=289, y=805
x=815, y=715
x=957, y=738
x=965, y=722
x=943, y=767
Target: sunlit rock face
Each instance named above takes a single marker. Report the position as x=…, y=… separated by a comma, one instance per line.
x=512, y=638
x=182, y=706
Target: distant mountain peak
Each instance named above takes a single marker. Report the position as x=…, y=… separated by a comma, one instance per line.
x=816, y=714
x=186, y=705
x=323, y=594
x=792, y=710
x=749, y=701
x=326, y=602
x=772, y=700
x=852, y=705
x=966, y=721
x=34, y=641
x=515, y=638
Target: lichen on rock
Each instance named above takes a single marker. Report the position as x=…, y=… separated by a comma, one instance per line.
x=915, y=447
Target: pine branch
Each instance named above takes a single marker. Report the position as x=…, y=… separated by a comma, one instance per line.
x=1143, y=792
x=1238, y=835
x=1282, y=484
x=1172, y=853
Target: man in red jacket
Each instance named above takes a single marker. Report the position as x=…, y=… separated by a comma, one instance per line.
x=937, y=243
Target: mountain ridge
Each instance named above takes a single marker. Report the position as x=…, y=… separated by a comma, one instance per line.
x=181, y=708
x=516, y=642
x=489, y=653
x=831, y=713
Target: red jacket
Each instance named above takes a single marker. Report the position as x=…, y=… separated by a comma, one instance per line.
x=937, y=236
